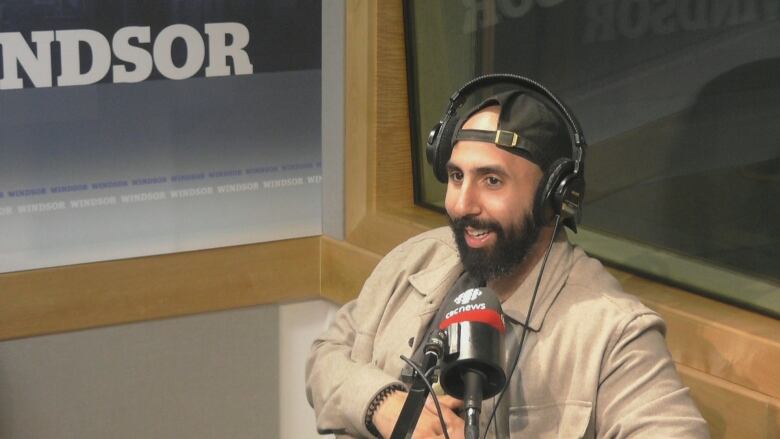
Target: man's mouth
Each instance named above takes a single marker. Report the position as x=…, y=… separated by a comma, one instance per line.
x=476, y=238
x=476, y=233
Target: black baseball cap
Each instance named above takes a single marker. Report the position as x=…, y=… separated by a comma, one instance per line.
x=527, y=126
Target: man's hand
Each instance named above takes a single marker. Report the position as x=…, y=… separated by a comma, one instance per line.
x=428, y=426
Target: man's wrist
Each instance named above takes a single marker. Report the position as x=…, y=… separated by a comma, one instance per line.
x=376, y=402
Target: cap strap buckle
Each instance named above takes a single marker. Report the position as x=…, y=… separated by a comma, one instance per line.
x=506, y=138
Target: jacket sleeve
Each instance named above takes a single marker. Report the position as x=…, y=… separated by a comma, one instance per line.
x=341, y=377
x=640, y=393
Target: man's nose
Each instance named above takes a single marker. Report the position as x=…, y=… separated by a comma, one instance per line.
x=467, y=201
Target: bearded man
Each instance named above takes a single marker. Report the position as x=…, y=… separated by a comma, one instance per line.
x=593, y=362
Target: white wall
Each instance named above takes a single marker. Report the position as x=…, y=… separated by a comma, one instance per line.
x=299, y=324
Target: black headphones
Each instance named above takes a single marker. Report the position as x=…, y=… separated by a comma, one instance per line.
x=565, y=185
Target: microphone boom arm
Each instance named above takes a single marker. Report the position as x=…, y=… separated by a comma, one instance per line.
x=415, y=401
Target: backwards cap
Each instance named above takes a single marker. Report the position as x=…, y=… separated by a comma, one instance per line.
x=526, y=127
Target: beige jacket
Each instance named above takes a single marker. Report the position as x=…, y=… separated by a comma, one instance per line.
x=595, y=363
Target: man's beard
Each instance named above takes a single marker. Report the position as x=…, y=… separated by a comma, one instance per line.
x=505, y=256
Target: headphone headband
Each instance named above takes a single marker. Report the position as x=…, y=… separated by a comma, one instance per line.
x=459, y=98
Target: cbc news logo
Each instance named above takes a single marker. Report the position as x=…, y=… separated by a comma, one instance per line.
x=468, y=296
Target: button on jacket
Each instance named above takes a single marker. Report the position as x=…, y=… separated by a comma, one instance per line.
x=594, y=364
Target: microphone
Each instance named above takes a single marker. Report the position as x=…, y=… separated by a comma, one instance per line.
x=471, y=364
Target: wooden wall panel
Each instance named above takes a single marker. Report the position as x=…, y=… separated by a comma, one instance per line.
x=721, y=340
x=344, y=269
x=83, y=296
x=731, y=410
x=393, y=133
x=360, y=110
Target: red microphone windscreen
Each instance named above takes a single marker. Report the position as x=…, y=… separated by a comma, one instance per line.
x=479, y=305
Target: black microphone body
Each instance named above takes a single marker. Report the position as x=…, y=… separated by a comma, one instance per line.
x=472, y=368
x=473, y=346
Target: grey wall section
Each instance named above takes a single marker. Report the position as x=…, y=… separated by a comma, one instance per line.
x=208, y=376
x=333, y=47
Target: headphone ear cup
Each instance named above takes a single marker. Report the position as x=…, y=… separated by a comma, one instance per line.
x=564, y=191
x=430, y=147
x=558, y=170
x=569, y=195
x=440, y=150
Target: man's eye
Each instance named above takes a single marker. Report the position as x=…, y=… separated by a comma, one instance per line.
x=456, y=176
x=493, y=181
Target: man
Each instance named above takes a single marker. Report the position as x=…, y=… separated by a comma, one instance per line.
x=594, y=363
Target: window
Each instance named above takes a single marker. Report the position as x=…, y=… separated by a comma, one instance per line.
x=679, y=102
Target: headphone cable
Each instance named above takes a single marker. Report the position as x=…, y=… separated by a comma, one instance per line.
x=525, y=327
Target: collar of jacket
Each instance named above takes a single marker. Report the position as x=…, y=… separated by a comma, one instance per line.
x=556, y=272
x=435, y=281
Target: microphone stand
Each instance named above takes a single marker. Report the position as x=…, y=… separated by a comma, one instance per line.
x=472, y=402
x=415, y=401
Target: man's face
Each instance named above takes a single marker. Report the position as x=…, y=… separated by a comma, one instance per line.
x=490, y=202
